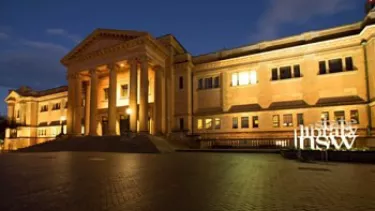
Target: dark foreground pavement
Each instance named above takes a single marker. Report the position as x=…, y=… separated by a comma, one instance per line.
x=180, y=182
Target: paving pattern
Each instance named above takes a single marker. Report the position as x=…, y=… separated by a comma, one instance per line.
x=180, y=182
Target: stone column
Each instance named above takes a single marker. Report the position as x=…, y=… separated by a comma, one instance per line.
x=158, y=99
x=87, y=108
x=93, y=102
x=11, y=111
x=78, y=106
x=71, y=106
x=133, y=95
x=143, y=102
x=112, y=101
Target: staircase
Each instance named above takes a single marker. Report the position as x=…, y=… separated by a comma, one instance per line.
x=122, y=144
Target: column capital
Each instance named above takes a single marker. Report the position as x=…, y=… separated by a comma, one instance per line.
x=73, y=76
x=144, y=58
x=93, y=71
x=113, y=66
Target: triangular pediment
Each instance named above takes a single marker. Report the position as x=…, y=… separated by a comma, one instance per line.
x=102, y=38
x=12, y=97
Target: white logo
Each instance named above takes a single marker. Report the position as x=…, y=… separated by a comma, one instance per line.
x=325, y=134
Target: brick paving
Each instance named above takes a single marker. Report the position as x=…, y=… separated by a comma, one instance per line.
x=180, y=182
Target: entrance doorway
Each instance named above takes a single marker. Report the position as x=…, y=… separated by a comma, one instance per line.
x=124, y=125
x=104, y=126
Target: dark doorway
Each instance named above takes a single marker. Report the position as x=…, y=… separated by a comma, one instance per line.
x=124, y=125
x=104, y=126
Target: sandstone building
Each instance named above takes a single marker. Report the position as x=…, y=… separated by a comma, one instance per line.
x=128, y=80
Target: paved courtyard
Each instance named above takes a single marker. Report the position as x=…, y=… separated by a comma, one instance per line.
x=179, y=182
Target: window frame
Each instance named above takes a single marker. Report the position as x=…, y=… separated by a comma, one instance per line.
x=288, y=117
x=235, y=123
x=217, y=126
x=277, y=125
x=124, y=94
x=333, y=69
x=255, y=122
x=206, y=124
x=181, y=83
x=247, y=122
x=356, y=112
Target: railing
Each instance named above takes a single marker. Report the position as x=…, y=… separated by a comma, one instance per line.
x=248, y=144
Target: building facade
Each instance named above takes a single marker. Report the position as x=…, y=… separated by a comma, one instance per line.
x=120, y=81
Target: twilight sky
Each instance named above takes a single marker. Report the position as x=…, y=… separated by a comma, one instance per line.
x=36, y=34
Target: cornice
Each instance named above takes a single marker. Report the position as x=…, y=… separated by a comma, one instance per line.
x=184, y=65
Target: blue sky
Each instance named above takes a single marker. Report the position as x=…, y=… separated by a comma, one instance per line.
x=36, y=34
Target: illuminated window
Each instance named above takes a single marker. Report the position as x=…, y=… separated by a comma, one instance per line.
x=124, y=91
x=234, y=79
x=200, y=124
x=208, y=124
x=300, y=119
x=354, y=116
x=244, y=122
x=235, y=123
x=217, y=124
x=339, y=116
x=255, y=122
x=276, y=121
x=244, y=78
x=288, y=120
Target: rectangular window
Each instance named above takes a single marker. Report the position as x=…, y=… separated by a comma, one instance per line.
x=106, y=94
x=325, y=117
x=255, y=122
x=244, y=78
x=217, y=124
x=208, y=83
x=276, y=121
x=253, y=77
x=234, y=79
x=181, y=124
x=56, y=106
x=274, y=74
x=66, y=105
x=322, y=67
x=349, y=63
x=339, y=116
x=354, y=116
x=335, y=65
x=44, y=108
x=288, y=120
x=285, y=72
x=200, y=84
x=200, y=124
x=300, y=119
x=297, y=71
x=124, y=91
x=235, y=123
x=244, y=122
x=181, y=82
x=208, y=124
x=217, y=82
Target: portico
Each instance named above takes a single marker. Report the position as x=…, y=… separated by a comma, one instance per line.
x=107, y=77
